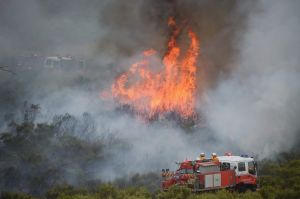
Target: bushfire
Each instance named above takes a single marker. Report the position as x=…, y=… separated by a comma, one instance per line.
x=170, y=90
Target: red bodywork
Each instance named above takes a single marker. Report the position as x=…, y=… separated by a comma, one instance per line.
x=246, y=179
x=205, y=175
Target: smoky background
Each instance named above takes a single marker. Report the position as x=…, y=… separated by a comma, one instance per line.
x=248, y=76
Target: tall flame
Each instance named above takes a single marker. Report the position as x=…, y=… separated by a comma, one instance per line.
x=172, y=90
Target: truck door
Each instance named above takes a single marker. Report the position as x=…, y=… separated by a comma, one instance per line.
x=252, y=168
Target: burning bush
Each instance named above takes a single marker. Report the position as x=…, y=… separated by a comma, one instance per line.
x=171, y=90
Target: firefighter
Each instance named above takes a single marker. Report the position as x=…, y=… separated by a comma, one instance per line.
x=202, y=156
x=167, y=172
x=214, y=157
x=163, y=173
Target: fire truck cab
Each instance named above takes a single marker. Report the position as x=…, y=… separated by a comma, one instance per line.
x=245, y=170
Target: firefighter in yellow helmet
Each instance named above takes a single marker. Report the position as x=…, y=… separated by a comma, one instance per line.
x=214, y=157
x=202, y=156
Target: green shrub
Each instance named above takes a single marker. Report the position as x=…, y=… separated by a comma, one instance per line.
x=10, y=195
x=175, y=192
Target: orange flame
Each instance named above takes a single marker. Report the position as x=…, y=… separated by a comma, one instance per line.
x=173, y=89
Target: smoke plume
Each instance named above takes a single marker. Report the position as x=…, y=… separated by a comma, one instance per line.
x=248, y=77
x=256, y=107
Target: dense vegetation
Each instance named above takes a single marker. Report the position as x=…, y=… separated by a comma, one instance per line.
x=53, y=161
x=107, y=191
x=279, y=179
x=36, y=157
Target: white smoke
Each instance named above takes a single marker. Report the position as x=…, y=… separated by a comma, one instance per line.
x=257, y=107
x=254, y=110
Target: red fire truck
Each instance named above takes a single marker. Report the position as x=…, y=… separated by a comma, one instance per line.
x=230, y=172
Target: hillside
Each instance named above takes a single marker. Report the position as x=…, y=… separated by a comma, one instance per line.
x=29, y=168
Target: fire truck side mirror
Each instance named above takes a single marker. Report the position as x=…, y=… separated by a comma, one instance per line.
x=234, y=167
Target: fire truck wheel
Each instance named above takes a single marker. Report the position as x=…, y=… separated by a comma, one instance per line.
x=241, y=188
x=252, y=187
